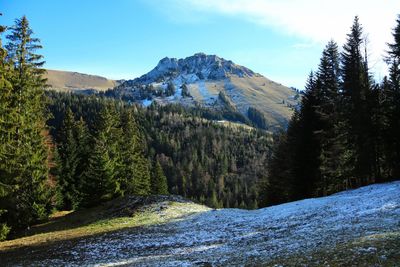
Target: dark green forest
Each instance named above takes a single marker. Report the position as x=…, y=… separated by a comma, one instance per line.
x=346, y=133
x=203, y=160
x=63, y=151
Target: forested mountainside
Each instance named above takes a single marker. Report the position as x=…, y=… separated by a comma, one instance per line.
x=215, y=163
x=216, y=83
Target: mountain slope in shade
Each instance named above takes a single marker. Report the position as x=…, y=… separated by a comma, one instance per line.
x=74, y=81
x=207, y=77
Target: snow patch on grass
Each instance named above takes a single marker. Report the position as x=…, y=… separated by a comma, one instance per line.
x=187, y=234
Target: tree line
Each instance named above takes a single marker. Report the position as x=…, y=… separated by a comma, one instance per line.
x=346, y=133
x=76, y=167
x=200, y=159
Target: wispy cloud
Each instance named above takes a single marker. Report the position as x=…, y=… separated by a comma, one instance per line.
x=303, y=45
x=312, y=20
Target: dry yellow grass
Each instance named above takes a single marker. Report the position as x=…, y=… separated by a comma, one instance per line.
x=68, y=225
x=263, y=94
x=259, y=92
x=66, y=80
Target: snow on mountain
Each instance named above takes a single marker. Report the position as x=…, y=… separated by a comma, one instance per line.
x=205, y=76
x=191, y=69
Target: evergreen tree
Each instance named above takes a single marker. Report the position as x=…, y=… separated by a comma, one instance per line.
x=6, y=119
x=135, y=168
x=392, y=106
x=159, y=184
x=331, y=140
x=170, y=89
x=306, y=142
x=69, y=158
x=257, y=117
x=100, y=180
x=355, y=111
x=185, y=90
x=278, y=187
x=27, y=160
x=83, y=139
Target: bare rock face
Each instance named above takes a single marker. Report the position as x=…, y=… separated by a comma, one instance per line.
x=212, y=82
x=197, y=67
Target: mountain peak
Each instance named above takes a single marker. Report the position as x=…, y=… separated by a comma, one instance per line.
x=200, y=54
x=200, y=66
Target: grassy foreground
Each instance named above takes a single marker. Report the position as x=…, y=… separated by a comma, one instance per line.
x=108, y=217
x=354, y=228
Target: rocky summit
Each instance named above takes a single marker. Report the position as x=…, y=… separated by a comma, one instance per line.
x=215, y=83
x=197, y=67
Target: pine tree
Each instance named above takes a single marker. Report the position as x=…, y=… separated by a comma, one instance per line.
x=68, y=162
x=135, y=176
x=83, y=140
x=332, y=146
x=170, y=89
x=355, y=113
x=159, y=184
x=185, y=90
x=392, y=106
x=6, y=119
x=27, y=161
x=306, y=142
x=278, y=187
x=100, y=179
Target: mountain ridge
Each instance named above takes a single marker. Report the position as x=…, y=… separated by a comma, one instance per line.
x=212, y=81
x=209, y=67
x=78, y=82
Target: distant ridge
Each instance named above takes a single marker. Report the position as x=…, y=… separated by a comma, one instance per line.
x=74, y=81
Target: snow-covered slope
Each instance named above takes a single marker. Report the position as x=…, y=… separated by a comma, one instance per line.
x=205, y=77
x=355, y=220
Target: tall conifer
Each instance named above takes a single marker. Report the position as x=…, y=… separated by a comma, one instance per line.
x=356, y=89
x=28, y=158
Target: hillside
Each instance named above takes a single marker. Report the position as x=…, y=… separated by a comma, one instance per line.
x=213, y=82
x=74, y=81
x=353, y=228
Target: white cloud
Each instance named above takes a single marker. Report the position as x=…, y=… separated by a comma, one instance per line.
x=313, y=20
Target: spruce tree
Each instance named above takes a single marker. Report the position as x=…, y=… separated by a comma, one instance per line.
x=135, y=174
x=27, y=161
x=68, y=162
x=331, y=141
x=306, y=140
x=159, y=184
x=100, y=179
x=170, y=89
x=6, y=119
x=392, y=106
x=278, y=186
x=185, y=91
x=83, y=140
x=355, y=111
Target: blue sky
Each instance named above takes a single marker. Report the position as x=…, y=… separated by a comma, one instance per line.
x=281, y=39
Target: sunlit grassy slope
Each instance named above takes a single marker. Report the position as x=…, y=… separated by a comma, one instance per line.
x=66, y=80
x=271, y=98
